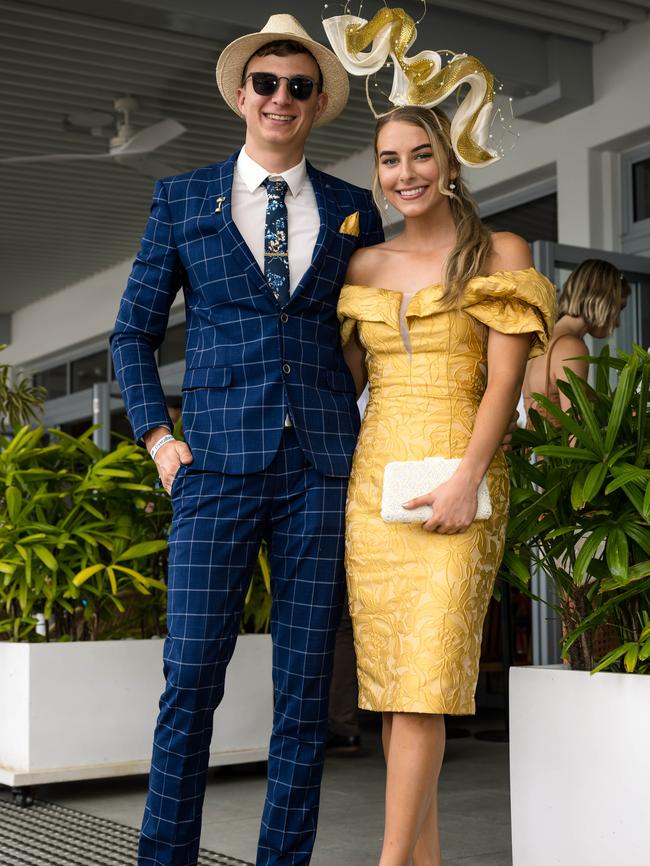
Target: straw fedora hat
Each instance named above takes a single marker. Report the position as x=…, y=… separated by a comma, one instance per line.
x=235, y=56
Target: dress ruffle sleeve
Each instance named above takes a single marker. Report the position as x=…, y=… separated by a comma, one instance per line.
x=514, y=302
x=361, y=304
x=511, y=302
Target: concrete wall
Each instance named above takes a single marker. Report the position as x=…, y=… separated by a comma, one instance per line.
x=67, y=317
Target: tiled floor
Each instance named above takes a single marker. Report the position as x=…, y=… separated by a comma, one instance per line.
x=474, y=804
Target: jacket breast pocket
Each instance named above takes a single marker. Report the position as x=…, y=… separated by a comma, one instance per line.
x=207, y=377
x=346, y=245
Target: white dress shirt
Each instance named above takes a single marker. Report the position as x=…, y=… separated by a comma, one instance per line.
x=249, y=212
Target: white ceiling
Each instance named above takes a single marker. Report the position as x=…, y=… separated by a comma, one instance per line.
x=61, y=222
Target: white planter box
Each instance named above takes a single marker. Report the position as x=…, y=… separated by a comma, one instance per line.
x=88, y=709
x=579, y=767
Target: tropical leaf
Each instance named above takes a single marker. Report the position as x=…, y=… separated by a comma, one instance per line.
x=631, y=657
x=265, y=567
x=92, y=510
x=146, y=488
x=82, y=576
x=564, y=420
x=645, y=508
x=579, y=391
x=610, y=658
x=145, y=548
x=14, y=500
x=635, y=497
x=642, y=411
x=617, y=554
x=638, y=533
x=631, y=475
x=594, y=481
x=134, y=574
x=637, y=572
x=46, y=557
x=620, y=404
x=112, y=579
x=567, y=453
x=644, y=651
x=578, y=498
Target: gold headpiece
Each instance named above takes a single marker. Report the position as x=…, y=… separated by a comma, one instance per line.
x=419, y=80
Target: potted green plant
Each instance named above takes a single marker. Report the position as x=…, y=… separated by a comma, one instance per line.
x=20, y=399
x=580, y=511
x=81, y=539
x=82, y=592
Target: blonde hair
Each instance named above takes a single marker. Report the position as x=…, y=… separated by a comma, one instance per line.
x=473, y=239
x=595, y=291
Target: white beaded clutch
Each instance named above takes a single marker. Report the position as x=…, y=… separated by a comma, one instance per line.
x=406, y=479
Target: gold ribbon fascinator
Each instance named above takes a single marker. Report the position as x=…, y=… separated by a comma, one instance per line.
x=422, y=79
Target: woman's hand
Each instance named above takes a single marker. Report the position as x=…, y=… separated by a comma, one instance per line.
x=512, y=426
x=454, y=505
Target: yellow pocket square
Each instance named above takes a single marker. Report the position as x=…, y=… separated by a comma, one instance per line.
x=350, y=225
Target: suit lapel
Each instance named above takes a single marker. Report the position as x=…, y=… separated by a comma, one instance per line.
x=221, y=209
x=327, y=211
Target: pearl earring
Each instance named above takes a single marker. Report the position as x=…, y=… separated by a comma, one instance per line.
x=385, y=203
x=452, y=185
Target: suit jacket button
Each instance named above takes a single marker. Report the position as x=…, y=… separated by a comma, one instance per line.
x=286, y=368
x=284, y=318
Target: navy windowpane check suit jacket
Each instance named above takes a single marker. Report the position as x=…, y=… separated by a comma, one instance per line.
x=248, y=361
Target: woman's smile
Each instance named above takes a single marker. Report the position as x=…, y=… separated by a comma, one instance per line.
x=411, y=192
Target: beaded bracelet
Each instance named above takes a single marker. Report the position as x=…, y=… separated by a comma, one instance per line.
x=159, y=444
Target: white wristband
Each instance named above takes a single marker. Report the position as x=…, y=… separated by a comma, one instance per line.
x=159, y=444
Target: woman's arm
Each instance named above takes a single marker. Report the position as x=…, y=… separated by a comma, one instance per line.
x=355, y=357
x=506, y=363
x=454, y=502
x=362, y=269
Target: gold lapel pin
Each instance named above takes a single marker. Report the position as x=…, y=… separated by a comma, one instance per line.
x=220, y=202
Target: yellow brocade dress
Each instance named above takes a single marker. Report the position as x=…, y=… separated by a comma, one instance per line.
x=418, y=599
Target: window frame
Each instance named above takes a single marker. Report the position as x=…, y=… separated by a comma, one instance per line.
x=635, y=234
x=84, y=350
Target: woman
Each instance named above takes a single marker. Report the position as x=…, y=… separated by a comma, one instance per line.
x=590, y=303
x=441, y=319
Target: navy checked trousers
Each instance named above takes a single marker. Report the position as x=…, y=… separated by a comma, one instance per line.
x=219, y=521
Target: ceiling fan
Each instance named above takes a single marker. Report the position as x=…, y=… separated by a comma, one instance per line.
x=127, y=147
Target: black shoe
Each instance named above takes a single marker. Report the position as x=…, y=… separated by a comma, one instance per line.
x=337, y=744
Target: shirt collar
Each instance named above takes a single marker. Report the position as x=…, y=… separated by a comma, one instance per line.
x=253, y=174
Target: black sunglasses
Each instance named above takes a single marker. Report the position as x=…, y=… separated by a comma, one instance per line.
x=265, y=83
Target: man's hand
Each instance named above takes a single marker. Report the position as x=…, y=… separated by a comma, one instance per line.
x=169, y=457
x=507, y=439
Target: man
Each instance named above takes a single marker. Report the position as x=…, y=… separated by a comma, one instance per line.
x=259, y=245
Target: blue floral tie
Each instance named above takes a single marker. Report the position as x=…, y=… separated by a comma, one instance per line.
x=276, y=240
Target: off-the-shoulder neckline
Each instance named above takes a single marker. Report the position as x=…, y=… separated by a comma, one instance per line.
x=438, y=285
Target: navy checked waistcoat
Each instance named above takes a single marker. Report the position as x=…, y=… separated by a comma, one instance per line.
x=248, y=360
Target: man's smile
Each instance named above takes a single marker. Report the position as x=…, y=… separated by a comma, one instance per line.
x=283, y=118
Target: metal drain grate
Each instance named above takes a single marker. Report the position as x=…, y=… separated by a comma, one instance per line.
x=45, y=834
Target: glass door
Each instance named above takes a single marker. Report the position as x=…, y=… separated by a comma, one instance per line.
x=557, y=261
